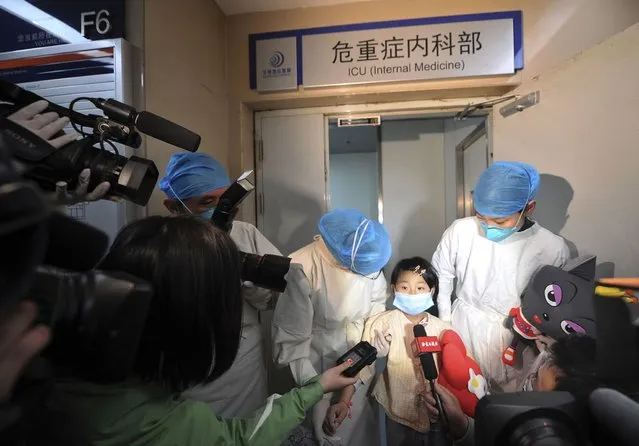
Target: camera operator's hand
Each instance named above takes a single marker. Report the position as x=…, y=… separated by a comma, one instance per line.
x=19, y=343
x=46, y=125
x=332, y=379
x=457, y=419
x=81, y=192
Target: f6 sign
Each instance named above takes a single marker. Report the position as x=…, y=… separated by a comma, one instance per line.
x=98, y=21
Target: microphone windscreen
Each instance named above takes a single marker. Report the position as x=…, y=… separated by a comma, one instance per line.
x=419, y=331
x=167, y=131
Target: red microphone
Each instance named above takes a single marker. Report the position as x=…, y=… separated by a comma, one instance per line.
x=423, y=347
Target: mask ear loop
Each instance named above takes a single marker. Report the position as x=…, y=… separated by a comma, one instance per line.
x=178, y=199
x=357, y=242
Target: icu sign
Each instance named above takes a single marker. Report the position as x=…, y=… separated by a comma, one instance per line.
x=408, y=50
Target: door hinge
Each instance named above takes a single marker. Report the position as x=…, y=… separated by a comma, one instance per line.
x=260, y=149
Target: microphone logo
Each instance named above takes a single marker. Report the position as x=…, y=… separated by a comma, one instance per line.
x=428, y=344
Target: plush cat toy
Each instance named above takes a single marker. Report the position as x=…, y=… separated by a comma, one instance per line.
x=557, y=302
x=459, y=373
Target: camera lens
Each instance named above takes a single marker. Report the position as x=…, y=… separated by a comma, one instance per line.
x=265, y=271
x=131, y=178
x=543, y=432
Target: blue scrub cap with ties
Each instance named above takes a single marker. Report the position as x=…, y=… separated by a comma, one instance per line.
x=191, y=175
x=505, y=188
x=357, y=242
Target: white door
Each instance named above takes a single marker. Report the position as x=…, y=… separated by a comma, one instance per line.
x=292, y=178
x=473, y=157
x=583, y=137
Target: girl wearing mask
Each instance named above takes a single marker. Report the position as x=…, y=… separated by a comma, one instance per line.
x=401, y=386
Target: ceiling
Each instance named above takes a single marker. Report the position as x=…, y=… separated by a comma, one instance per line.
x=231, y=7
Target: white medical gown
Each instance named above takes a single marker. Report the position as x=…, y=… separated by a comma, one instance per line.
x=490, y=279
x=317, y=319
x=243, y=388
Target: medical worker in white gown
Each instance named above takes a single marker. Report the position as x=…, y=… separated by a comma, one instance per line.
x=492, y=256
x=193, y=184
x=321, y=314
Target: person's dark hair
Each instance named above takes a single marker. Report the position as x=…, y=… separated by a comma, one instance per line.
x=192, y=331
x=575, y=358
x=425, y=269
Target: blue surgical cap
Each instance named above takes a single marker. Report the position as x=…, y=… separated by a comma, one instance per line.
x=505, y=188
x=191, y=175
x=357, y=243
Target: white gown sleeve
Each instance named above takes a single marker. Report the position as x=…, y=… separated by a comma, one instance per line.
x=444, y=263
x=380, y=295
x=260, y=298
x=375, y=323
x=564, y=255
x=293, y=325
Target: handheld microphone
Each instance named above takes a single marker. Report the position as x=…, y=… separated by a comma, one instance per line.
x=423, y=347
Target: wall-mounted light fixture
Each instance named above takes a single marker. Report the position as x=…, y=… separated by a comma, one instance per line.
x=520, y=104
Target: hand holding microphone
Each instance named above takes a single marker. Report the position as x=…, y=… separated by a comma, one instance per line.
x=457, y=419
x=423, y=347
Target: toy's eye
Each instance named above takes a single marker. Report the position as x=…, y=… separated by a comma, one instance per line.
x=570, y=327
x=553, y=295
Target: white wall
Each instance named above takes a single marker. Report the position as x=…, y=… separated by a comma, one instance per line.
x=584, y=138
x=354, y=179
x=413, y=186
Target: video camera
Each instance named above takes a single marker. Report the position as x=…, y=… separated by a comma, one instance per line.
x=96, y=316
x=132, y=179
x=556, y=418
x=267, y=271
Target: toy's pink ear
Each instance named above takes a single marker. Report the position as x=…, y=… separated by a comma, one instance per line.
x=450, y=337
x=454, y=366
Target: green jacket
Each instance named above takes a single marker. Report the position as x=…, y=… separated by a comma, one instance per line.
x=140, y=415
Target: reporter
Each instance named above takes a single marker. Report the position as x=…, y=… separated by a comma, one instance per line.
x=191, y=336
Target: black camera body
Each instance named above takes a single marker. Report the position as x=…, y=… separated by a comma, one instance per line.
x=608, y=418
x=132, y=179
x=267, y=271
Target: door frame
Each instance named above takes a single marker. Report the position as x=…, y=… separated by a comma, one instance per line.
x=482, y=129
x=423, y=109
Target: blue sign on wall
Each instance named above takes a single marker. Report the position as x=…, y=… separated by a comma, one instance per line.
x=94, y=19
